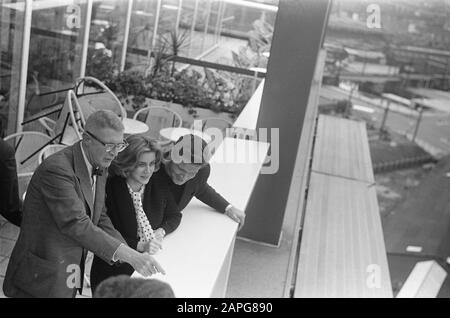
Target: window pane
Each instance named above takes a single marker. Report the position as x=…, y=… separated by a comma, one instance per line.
x=141, y=32
x=246, y=31
x=199, y=31
x=106, y=38
x=187, y=18
x=210, y=38
x=57, y=29
x=168, y=16
x=11, y=34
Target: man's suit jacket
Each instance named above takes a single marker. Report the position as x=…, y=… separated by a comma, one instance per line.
x=159, y=207
x=198, y=187
x=10, y=204
x=60, y=222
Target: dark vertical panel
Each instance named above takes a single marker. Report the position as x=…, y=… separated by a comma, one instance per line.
x=298, y=35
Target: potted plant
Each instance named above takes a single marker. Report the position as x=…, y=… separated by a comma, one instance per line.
x=188, y=91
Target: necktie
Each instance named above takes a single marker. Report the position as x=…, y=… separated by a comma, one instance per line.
x=145, y=231
x=97, y=172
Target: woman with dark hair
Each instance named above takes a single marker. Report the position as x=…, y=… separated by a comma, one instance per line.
x=139, y=204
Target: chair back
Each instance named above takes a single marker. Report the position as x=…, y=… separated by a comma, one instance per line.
x=157, y=118
x=48, y=125
x=27, y=145
x=41, y=97
x=94, y=95
x=71, y=121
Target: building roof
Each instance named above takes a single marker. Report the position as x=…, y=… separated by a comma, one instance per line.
x=365, y=54
x=422, y=50
x=430, y=93
x=431, y=98
x=396, y=98
x=436, y=104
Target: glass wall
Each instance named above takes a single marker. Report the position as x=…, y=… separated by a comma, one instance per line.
x=69, y=38
x=246, y=30
x=140, y=38
x=56, y=43
x=186, y=26
x=168, y=16
x=198, y=34
x=210, y=37
x=168, y=39
x=106, y=38
x=11, y=37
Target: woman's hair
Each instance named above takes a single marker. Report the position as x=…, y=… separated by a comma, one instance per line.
x=127, y=159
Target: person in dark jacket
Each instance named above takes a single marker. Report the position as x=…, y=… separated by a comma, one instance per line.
x=64, y=218
x=10, y=203
x=186, y=169
x=138, y=203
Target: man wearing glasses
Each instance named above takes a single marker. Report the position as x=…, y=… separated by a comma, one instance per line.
x=187, y=169
x=64, y=217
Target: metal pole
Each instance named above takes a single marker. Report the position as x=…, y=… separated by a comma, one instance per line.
x=24, y=64
x=218, y=22
x=205, y=33
x=87, y=28
x=177, y=23
x=386, y=111
x=224, y=4
x=125, y=37
x=350, y=96
x=417, y=124
x=193, y=27
x=339, y=73
x=444, y=76
x=219, y=9
x=155, y=32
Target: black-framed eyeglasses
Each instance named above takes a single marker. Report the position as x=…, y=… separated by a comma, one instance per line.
x=109, y=147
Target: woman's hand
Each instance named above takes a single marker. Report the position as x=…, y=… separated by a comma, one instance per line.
x=159, y=234
x=143, y=263
x=152, y=247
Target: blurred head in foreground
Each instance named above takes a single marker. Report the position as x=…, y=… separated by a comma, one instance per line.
x=123, y=286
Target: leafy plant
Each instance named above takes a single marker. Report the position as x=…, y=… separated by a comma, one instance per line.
x=100, y=64
x=260, y=38
x=175, y=42
x=130, y=87
x=259, y=42
x=164, y=82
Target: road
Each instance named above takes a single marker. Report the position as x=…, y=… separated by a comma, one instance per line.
x=434, y=128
